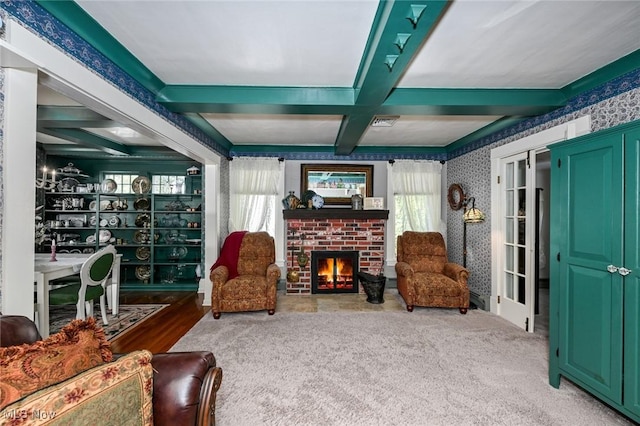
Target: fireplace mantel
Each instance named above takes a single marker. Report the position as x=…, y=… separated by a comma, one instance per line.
x=335, y=213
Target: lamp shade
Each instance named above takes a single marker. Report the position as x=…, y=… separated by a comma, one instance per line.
x=473, y=215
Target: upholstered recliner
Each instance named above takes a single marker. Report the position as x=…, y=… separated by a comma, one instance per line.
x=426, y=277
x=255, y=287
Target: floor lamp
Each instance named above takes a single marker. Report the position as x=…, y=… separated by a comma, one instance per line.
x=472, y=215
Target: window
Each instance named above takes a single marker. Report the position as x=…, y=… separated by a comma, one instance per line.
x=254, y=184
x=417, y=196
x=123, y=180
x=168, y=184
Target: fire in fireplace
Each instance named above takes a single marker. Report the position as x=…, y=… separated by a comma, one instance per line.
x=334, y=271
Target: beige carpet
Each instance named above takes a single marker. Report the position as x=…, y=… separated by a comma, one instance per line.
x=429, y=367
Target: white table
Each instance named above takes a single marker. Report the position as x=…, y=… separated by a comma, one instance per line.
x=67, y=264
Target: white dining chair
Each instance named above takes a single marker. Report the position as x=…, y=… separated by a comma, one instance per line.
x=94, y=274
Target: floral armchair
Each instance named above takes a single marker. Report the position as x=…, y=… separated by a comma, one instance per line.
x=426, y=277
x=255, y=287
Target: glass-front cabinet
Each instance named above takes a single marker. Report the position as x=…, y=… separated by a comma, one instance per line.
x=154, y=221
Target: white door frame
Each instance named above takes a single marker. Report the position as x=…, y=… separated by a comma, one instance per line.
x=538, y=143
x=509, y=307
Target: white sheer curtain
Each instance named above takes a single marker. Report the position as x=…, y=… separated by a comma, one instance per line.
x=254, y=184
x=417, y=195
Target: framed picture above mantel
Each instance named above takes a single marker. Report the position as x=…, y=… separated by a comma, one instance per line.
x=336, y=183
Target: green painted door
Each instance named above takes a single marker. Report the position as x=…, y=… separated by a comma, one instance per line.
x=590, y=292
x=632, y=280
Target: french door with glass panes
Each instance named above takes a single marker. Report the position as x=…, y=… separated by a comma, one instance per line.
x=516, y=298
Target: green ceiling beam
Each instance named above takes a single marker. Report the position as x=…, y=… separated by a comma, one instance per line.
x=271, y=149
x=137, y=153
x=340, y=101
x=72, y=117
x=88, y=139
x=416, y=101
x=211, y=131
x=607, y=73
x=257, y=100
x=398, y=32
x=80, y=22
x=487, y=130
x=398, y=150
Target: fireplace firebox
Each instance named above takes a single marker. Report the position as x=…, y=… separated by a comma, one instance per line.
x=334, y=271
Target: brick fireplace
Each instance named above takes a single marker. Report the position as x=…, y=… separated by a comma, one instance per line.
x=334, y=229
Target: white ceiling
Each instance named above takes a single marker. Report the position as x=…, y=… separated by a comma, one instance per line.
x=320, y=43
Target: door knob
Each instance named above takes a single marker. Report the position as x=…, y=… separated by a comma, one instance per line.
x=612, y=269
x=624, y=271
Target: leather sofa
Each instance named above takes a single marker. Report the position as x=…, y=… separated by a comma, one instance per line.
x=184, y=383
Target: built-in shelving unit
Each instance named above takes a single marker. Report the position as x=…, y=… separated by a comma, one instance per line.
x=158, y=235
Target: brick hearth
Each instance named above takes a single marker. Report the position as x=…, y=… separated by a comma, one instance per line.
x=335, y=229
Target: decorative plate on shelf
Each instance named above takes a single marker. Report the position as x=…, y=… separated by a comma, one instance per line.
x=104, y=235
x=141, y=204
x=175, y=237
x=143, y=253
x=143, y=272
x=141, y=185
x=92, y=205
x=106, y=205
x=317, y=201
x=143, y=219
x=92, y=222
x=108, y=186
x=177, y=253
x=114, y=221
x=176, y=205
x=141, y=237
x=67, y=185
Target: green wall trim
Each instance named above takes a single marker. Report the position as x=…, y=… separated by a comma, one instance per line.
x=80, y=22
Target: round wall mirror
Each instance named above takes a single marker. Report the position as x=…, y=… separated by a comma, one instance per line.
x=455, y=196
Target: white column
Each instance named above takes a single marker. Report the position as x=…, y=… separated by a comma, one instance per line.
x=19, y=172
x=211, y=208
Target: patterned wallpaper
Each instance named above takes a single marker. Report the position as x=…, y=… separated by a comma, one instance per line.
x=1, y=172
x=473, y=171
x=224, y=200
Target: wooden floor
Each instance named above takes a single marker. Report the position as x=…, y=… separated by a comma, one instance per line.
x=160, y=332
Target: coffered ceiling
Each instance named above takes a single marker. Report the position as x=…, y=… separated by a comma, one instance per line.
x=276, y=77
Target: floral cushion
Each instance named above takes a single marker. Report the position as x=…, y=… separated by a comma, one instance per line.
x=27, y=368
x=114, y=393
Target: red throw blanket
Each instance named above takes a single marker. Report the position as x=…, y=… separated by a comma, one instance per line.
x=230, y=253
